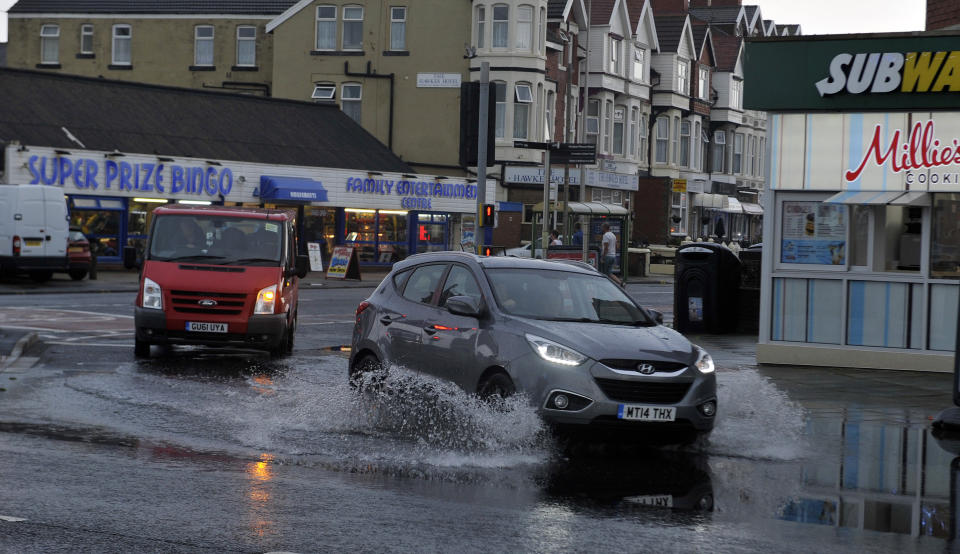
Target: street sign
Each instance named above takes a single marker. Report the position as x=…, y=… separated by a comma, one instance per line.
x=535, y=145
x=574, y=153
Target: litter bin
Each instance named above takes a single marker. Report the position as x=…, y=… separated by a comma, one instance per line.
x=706, y=289
x=749, y=305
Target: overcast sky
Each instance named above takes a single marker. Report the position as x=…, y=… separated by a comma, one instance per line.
x=814, y=16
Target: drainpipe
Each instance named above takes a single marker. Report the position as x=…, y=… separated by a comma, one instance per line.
x=373, y=75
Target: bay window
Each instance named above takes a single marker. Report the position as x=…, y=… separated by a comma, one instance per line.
x=663, y=138
x=521, y=110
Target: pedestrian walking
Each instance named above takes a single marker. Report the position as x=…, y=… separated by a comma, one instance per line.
x=608, y=256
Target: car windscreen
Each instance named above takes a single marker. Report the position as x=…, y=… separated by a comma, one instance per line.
x=557, y=295
x=213, y=239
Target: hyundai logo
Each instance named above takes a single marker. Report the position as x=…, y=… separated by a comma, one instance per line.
x=207, y=302
x=646, y=369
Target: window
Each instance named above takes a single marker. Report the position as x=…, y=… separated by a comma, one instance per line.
x=460, y=282
x=753, y=154
x=524, y=28
x=684, y=143
x=521, y=111
x=203, y=45
x=663, y=138
x=683, y=76
x=696, y=146
x=704, y=84
x=501, y=16
x=326, y=27
x=50, y=44
x=324, y=92
x=678, y=213
x=121, y=45
x=619, y=114
x=548, y=117
x=501, y=115
x=638, y=63
x=736, y=87
x=761, y=154
x=481, y=26
x=945, y=248
x=353, y=28
x=607, y=116
x=737, y=152
x=542, y=32
x=423, y=282
x=676, y=140
x=719, y=151
x=593, y=121
x=246, y=45
x=350, y=96
x=615, y=45
x=86, y=39
x=398, y=28
x=643, y=137
x=633, y=131
x=704, y=150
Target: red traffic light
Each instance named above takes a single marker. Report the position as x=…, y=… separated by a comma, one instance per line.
x=487, y=214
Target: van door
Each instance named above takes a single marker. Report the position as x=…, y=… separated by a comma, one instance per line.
x=31, y=224
x=57, y=229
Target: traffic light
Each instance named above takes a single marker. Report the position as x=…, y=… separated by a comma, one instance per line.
x=486, y=215
x=487, y=251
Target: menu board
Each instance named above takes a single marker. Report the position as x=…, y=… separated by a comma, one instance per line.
x=814, y=233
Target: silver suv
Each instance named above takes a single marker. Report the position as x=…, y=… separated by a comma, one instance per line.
x=564, y=335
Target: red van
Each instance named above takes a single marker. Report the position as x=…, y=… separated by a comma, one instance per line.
x=218, y=276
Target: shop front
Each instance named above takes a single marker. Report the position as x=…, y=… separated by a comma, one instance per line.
x=386, y=217
x=861, y=249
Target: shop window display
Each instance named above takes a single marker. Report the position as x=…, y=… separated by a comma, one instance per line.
x=945, y=248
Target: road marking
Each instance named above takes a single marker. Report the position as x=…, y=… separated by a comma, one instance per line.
x=11, y=519
x=65, y=343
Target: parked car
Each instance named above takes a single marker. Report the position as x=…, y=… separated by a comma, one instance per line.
x=527, y=250
x=575, y=343
x=218, y=276
x=80, y=261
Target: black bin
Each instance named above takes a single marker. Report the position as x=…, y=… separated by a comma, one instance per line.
x=749, y=304
x=706, y=289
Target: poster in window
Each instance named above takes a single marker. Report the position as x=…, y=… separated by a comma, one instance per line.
x=814, y=233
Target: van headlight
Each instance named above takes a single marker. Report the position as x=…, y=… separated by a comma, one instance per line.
x=704, y=362
x=266, y=300
x=555, y=353
x=152, y=295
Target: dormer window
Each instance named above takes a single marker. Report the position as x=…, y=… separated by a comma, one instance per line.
x=704, y=84
x=638, y=56
x=615, y=45
x=683, y=76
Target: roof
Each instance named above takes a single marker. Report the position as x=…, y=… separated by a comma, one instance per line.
x=601, y=11
x=726, y=48
x=751, y=12
x=555, y=8
x=669, y=31
x=42, y=109
x=721, y=15
x=699, y=28
x=238, y=7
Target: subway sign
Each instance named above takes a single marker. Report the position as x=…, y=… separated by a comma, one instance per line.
x=890, y=72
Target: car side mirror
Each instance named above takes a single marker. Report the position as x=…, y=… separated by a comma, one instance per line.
x=656, y=315
x=301, y=265
x=130, y=260
x=464, y=305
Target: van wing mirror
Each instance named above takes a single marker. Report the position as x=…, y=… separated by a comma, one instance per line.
x=464, y=305
x=130, y=260
x=301, y=265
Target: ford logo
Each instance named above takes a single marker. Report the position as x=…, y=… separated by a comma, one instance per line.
x=646, y=369
x=207, y=302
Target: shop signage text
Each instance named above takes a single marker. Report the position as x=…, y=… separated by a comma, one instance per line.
x=416, y=195
x=438, y=80
x=877, y=72
x=921, y=150
x=86, y=174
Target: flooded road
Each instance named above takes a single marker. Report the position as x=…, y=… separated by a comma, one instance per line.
x=196, y=451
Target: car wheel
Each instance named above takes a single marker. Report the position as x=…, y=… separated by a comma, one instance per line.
x=367, y=372
x=41, y=276
x=498, y=385
x=141, y=349
x=77, y=274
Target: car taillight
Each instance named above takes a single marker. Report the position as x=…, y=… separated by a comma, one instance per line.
x=363, y=306
x=16, y=246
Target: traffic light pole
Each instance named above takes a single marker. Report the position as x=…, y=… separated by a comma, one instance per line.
x=544, y=232
x=478, y=231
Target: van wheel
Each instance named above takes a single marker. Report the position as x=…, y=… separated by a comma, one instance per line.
x=285, y=346
x=141, y=349
x=77, y=274
x=41, y=276
x=497, y=386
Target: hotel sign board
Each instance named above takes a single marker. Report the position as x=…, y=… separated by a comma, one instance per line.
x=869, y=72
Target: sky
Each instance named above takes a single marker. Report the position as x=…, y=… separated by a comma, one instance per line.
x=814, y=16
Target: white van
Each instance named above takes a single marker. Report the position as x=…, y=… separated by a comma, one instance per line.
x=34, y=229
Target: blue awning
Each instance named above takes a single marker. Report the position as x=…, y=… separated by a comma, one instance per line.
x=294, y=189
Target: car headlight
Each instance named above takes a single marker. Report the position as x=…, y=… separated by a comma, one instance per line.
x=704, y=362
x=152, y=295
x=555, y=353
x=266, y=300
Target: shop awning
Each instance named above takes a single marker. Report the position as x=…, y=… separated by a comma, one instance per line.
x=752, y=209
x=712, y=201
x=596, y=208
x=733, y=206
x=864, y=197
x=291, y=189
x=913, y=198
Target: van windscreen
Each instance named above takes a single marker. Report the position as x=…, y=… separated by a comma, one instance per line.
x=216, y=240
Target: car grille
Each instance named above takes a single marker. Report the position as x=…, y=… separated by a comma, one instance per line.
x=641, y=391
x=631, y=365
x=187, y=301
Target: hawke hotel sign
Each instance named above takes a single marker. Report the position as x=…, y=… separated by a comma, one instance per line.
x=894, y=72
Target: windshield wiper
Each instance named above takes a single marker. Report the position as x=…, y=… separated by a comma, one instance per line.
x=636, y=322
x=194, y=257
x=250, y=260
